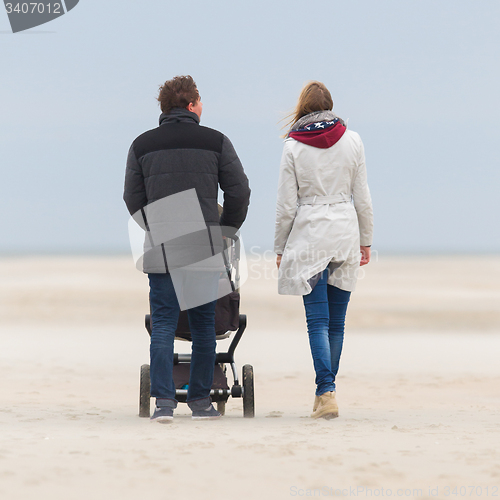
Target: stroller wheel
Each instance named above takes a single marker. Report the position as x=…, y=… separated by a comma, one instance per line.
x=221, y=407
x=145, y=393
x=248, y=393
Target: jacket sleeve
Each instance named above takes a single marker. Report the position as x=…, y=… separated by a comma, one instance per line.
x=234, y=184
x=286, y=204
x=362, y=200
x=134, y=193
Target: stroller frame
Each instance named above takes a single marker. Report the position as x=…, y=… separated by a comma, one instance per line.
x=218, y=394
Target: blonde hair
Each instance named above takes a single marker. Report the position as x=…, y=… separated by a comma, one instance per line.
x=314, y=97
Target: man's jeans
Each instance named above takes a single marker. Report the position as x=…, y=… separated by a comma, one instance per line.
x=165, y=314
x=326, y=308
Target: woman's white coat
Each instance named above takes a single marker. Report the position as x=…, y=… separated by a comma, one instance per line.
x=311, y=237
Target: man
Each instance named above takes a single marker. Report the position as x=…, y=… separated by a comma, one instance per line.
x=178, y=156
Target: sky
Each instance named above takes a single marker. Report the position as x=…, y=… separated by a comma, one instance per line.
x=418, y=80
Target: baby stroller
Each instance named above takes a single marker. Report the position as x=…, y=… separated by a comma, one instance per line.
x=227, y=320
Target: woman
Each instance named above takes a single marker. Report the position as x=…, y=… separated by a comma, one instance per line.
x=324, y=227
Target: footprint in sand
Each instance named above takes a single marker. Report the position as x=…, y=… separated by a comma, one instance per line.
x=274, y=414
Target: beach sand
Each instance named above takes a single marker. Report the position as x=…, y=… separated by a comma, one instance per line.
x=418, y=389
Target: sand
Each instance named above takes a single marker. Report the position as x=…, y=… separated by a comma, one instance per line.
x=418, y=389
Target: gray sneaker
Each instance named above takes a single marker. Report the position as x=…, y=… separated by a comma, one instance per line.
x=209, y=413
x=163, y=415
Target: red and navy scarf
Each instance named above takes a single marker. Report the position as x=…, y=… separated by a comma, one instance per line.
x=322, y=134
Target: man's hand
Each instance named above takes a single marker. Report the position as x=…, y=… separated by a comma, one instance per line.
x=365, y=255
x=278, y=260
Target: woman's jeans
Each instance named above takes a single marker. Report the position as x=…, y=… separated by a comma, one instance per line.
x=326, y=308
x=165, y=314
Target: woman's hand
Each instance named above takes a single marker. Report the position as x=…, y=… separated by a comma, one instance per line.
x=365, y=255
x=278, y=260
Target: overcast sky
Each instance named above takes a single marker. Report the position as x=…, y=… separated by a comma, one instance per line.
x=418, y=80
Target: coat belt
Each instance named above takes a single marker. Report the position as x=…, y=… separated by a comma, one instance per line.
x=324, y=200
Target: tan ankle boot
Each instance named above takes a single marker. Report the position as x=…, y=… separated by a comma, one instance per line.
x=327, y=407
x=316, y=403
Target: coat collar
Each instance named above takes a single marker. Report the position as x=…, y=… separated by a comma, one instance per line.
x=177, y=115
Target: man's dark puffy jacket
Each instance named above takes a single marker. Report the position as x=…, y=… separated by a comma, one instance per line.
x=180, y=155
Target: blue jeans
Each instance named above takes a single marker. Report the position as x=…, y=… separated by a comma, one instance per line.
x=165, y=314
x=326, y=308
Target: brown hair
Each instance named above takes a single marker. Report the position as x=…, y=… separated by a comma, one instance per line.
x=178, y=93
x=314, y=97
